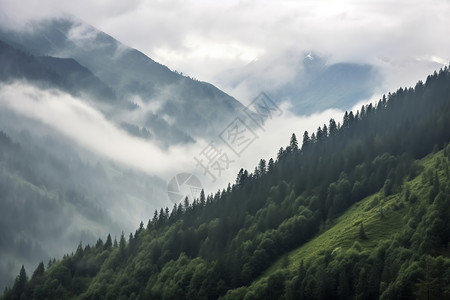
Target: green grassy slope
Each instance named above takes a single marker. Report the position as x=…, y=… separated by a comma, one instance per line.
x=383, y=217
x=367, y=207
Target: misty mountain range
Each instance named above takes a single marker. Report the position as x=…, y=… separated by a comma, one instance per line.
x=319, y=85
x=313, y=85
x=112, y=73
x=54, y=192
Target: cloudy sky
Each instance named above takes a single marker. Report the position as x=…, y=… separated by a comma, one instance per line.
x=210, y=40
x=219, y=41
x=88, y=127
x=207, y=39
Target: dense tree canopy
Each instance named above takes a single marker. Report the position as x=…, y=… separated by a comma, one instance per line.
x=219, y=245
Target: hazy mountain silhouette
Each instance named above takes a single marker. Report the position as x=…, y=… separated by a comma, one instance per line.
x=196, y=108
x=320, y=85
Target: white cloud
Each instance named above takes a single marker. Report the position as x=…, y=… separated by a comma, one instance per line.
x=89, y=128
x=277, y=133
x=204, y=38
x=405, y=40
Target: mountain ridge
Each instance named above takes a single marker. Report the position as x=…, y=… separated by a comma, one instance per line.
x=131, y=73
x=220, y=244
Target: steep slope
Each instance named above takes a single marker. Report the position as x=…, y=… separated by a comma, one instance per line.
x=51, y=72
x=15, y=64
x=221, y=244
x=81, y=78
x=196, y=108
x=54, y=194
x=389, y=224
x=50, y=177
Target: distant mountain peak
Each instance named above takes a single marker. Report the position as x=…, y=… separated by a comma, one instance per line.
x=197, y=108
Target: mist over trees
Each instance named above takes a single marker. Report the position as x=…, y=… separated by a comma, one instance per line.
x=54, y=194
x=123, y=83
x=387, y=158
x=44, y=176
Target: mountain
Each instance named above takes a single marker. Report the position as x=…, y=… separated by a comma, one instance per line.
x=360, y=210
x=65, y=74
x=310, y=82
x=16, y=64
x=319, y=85
x=368, y=252
x=80, y=77
x=197, y=109
x=46, y=175
x=54, y=194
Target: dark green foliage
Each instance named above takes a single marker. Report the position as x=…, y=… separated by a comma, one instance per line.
x=219, y=245
x=293, y=145
x=362, y=233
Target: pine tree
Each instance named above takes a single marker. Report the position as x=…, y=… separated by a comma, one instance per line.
x=319, y=134
x=271, y=165
x=39, y=271
x=122, y=241
x=239, y=177
x=262, y=167
x=186, y=203
x=325, y=131
x=345, y=122
x=363, y=112
x=306, y=140
x=332, y=127
x=99, y=243
x=280, y=154
x=293, y=143
x=202, y=198
x=20, y=283
x=108, y=243
x=155, y=217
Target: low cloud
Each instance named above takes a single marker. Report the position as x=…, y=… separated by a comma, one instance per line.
x=89, y=128
x=404, y=40
x=275, y=133
x=203, y=39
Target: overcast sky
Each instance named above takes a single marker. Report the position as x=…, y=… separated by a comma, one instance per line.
x=89, y=128
x=210, y=40
x=205, y=39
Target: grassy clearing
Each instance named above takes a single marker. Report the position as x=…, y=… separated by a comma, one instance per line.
x=382, y=217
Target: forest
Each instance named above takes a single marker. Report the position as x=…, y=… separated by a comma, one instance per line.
x=359, y=209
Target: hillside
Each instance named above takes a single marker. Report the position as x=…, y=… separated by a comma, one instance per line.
x=51, y=175
x=344, y=260
x=198, y=109
x=16, y=64
x=304, y=225
x=53, y=194
x=51, y=72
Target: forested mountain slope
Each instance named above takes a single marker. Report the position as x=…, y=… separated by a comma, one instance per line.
x=198, y=109
x=51, y=72
x=222, y=244
x=387, y=246
x=54, y=194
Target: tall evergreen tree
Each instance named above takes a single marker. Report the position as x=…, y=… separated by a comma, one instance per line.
x=306, y=140
x=39, y=271
x=108, y=243
x=293, y=143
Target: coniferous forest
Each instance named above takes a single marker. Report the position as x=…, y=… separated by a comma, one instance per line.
x=359, y=209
